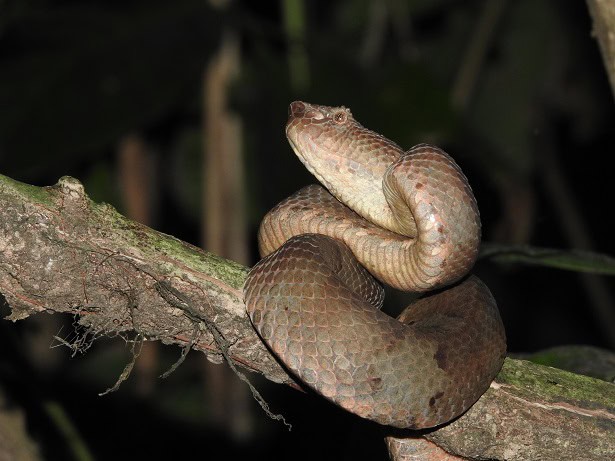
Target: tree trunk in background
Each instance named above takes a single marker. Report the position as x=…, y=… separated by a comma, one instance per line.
x=603, y=14
x=136, y=171
x=223, y=217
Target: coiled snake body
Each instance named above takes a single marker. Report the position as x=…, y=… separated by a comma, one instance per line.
x=409, y=219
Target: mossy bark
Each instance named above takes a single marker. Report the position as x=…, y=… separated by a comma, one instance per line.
x=61, y=252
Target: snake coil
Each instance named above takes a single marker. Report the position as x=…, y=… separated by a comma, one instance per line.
x=407, y=218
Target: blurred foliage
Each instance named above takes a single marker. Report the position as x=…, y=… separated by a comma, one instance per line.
x=574, y=260
x=586, y=360
x=77, y=76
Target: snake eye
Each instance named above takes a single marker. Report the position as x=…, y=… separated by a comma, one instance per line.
x=340, y=117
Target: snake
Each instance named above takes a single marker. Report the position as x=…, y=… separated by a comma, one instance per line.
x=382, y=215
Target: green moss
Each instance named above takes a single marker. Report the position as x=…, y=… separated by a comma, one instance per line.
x=556, y=385
x=148, y=239
x=36, y=194
x=547, y=359
x=226, y=270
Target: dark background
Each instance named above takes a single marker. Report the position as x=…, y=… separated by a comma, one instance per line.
x=532, y=129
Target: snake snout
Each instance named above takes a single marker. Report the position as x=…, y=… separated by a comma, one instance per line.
x=302, y=111
x=296, y=109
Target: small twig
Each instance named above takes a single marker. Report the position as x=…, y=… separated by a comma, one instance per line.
x=79, y=344
x=136, y=350
x=177, y=299
x=183, y=355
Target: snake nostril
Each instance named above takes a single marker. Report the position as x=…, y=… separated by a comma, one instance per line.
x=296, y=108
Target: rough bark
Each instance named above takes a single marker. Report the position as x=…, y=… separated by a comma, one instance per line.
x=61, y=252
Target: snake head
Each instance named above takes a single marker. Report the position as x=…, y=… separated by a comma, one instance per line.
x=347, y=158
x=316, y=131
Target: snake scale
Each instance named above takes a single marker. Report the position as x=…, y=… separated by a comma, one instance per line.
x=407, y=218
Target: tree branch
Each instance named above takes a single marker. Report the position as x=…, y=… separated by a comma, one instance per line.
x=61, y=252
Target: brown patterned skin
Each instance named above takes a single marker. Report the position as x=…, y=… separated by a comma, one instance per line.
x=414, y=225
